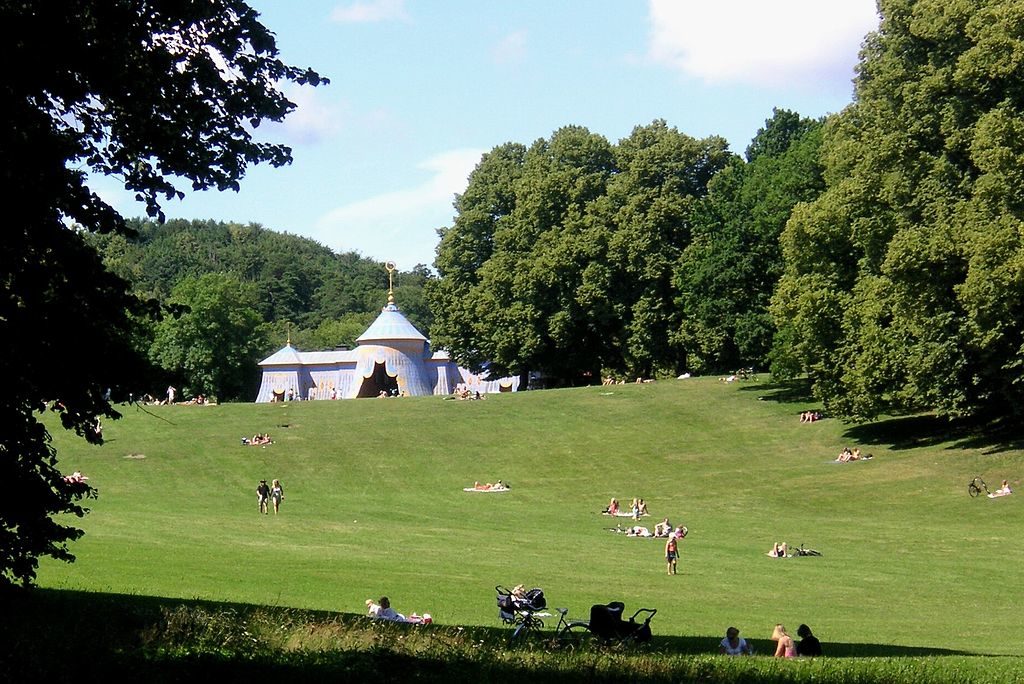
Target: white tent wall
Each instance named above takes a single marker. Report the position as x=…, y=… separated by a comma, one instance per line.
x=403, y=361
x=278, y=380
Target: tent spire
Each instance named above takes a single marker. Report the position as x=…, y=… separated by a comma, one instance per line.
x=391, y=268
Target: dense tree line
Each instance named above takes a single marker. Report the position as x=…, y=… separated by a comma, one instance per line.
x=903, y=287
x=233, y=293
x=659, y=254
x=879, y=252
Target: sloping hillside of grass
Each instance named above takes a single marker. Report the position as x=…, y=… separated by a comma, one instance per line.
x=374, y=505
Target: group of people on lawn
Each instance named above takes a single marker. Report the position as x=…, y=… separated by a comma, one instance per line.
x=259, y=439
x=637, y=509
x=265, y=495
x=733, y=644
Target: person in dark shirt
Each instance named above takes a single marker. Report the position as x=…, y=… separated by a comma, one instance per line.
x=263, y=496
x=809, y=644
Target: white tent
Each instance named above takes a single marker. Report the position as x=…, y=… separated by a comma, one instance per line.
x=391, y=357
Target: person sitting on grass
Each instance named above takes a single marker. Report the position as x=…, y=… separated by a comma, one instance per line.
x=733, y=645
x=809, y=644
x=786, y=647
x=846, y=455
x=778, y=550
x=613, y=507
x=1004, y=490
x=663, y=529
x=386, y=612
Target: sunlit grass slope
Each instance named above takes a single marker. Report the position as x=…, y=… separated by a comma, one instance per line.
x=374, y=505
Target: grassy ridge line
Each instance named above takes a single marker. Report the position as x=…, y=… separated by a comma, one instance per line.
x=374, y=504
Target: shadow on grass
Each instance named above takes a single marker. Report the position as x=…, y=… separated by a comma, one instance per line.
x=905, y=432
x=58, y=636
x=909, y=432
x=797, y=391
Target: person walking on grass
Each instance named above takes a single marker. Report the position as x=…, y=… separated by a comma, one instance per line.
x=671, y=553
x=263, y=496
x=276, y=495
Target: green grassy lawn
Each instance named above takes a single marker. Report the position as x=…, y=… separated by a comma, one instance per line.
x=374, y=505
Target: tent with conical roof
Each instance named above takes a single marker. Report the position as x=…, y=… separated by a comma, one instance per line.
x=391, y=358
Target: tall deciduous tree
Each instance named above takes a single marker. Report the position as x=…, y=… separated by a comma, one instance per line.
x=902, y=286
x=730, y=269
x=153, y=93
x=560, y=259
x=214, y=342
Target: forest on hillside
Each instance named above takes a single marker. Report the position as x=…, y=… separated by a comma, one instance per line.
x=230, y=294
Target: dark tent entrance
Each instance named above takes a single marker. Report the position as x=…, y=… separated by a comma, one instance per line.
x=378, y=382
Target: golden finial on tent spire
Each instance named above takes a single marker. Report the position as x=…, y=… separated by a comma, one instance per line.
x=288, y=326
x=391, y=268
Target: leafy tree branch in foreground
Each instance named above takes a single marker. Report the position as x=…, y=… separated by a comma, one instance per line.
x=155, y=94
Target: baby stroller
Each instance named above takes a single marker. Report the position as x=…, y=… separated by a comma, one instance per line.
x=520, y=611
x=606, y=623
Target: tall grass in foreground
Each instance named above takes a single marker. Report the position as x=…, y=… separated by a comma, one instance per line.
x=66, y=636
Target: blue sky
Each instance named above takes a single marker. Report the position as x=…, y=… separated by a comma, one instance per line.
x=421, y=88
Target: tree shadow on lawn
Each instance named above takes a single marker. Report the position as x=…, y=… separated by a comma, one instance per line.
x=704, y=645
x=797, y=391
x=910, y=432
x=49, y=627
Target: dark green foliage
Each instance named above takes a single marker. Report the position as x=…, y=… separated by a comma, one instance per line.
x=213, y=341
x=154, y=93
x=903, y=281
x=560, y=259
x=728, y=272
x=300, y=288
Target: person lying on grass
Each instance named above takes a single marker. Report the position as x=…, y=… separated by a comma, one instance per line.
x=1002, y=491
x=847, y=455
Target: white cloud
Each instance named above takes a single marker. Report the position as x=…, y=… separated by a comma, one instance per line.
x=370, y=11
x=312, y=120
x=511, y=48
x=808, y=43
x=401, y=225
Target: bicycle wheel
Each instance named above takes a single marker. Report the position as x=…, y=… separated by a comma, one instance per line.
x=529, y=625
x=973, y=489
x=576, y=635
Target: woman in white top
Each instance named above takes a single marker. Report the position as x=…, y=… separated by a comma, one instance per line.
x=732, y=644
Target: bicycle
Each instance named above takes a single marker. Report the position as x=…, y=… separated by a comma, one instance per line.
x=975, y=486
x=571, y=634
